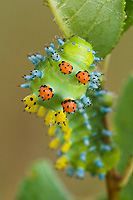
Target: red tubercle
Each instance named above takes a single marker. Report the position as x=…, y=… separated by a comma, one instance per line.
x=69, y=105
x=46, y=92
x=65, y=67
x=83, y=77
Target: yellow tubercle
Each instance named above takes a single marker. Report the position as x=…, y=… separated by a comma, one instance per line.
x=41, y=111
x=62, y=163
x=50, y=118
x=67, y=135
x=65, y=128
x=54, y=143
x=32, y=109
x=30, y=100
x=51, y=130
x=66, y=146
x=60, y=118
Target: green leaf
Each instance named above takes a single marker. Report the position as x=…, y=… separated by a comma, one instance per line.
x=42, y=183
x=129, y=13
x=100, y=22
x=124, y=137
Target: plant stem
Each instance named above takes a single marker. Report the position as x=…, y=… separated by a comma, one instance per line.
x=127, y=173
x=112, y=177
x=112, y=180
x=115, y=182
x=105, y=63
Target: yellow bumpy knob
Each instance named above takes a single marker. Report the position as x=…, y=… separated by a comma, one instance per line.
x=60, y=118
x=66, y=146
x=41, y=111
x=54, y=143
x=67, y=135
x=30, y=100
x=62, y=163
x=51, y=130
x=32, y=109
x=50, y=118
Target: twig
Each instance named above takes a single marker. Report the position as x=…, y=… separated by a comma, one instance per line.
x=127, y=173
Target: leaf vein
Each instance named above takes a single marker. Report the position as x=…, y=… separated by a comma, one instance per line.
x=94, y=20
x=76, y=12
x=62, y=5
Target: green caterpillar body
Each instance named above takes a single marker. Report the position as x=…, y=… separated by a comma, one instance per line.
x=64, y=82
x=74, y=52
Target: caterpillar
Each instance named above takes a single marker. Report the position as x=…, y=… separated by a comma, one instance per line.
x=66, y=84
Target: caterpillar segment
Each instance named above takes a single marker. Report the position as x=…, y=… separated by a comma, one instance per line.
x=52, y=130
x=88, y=150
x=76, y=107
x=41, y=112
x=30, y=103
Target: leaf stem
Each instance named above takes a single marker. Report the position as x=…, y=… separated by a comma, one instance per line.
x=58, y=19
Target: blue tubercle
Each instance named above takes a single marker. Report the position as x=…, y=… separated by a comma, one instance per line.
x=29, y=57
x=73, y=43
x=56, y=57
x=96, y=59
x=93, y=86
x=87, y=124
x=94, y=134
x=106, y=147
x=59, y=153
x=37, y=73
x=79, y=104
x=80, y=172
x=61, y=49
x=98, y=163
x=60, y=41
x=101, y=176
x=40, y=57
x=56, y=131
x=35, y=59
x=70, y=171
x=85, y=116
x=86, y=100
x=89, y=50
x=106, y=109
x=92, y=65
x=101, y=92
x=82, y=156
x=81, y=110
x=52, y=45
x=107, y=133
x=27, y=85
x=51, y=50
x=47, y=51
x=86, y=141
x=93, y=148
x=94, y=78
x=28, y=78
x=94, y=114
x=93, y=52
x=97, y=74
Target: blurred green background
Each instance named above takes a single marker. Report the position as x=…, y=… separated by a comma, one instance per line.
x=26, y=26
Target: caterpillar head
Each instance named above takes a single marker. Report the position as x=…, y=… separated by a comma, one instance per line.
x=79, y=49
